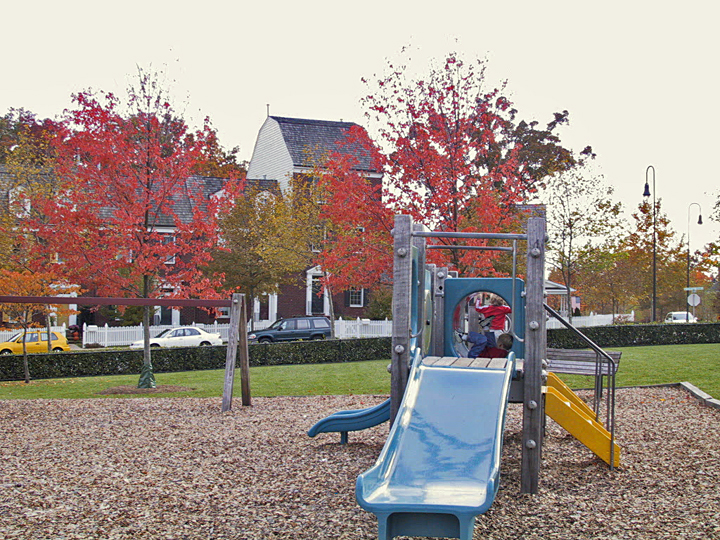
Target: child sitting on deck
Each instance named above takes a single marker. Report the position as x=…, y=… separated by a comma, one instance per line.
x=485, y=345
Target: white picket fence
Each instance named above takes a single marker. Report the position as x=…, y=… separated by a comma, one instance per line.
x=7, y=334
x=362, y=328
x=113, y=336
x=108, y=336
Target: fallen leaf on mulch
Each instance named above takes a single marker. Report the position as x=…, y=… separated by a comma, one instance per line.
x=129, y=389
x=180, y=469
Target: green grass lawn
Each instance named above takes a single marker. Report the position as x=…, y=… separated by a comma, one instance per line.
x=317, y=379
x=697, y=364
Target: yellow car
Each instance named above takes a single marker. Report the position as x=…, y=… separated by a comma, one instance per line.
x=36, y=342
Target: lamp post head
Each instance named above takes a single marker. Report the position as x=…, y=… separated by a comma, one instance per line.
x=699, y=219
x=646, y=193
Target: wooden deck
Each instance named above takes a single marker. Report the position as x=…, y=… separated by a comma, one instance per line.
x=453, y=361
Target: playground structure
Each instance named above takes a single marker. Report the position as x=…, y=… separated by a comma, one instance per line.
x=440, y=466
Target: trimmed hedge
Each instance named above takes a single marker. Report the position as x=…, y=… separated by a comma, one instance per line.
x=95, y=362
x=636, y=334
x=91, y=362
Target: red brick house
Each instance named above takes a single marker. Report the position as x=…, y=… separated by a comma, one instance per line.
x=291, y=147
x=285, y=148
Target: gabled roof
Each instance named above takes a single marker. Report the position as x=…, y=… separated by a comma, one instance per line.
x=183, y=202
x=556, y=288
x=310, y=142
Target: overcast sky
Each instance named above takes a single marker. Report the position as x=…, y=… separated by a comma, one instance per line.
x=639, y=78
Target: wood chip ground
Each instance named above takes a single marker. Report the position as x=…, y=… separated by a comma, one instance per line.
x=177, y=468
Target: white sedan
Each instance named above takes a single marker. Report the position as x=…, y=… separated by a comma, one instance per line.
x=185, y=336
x=680, y=317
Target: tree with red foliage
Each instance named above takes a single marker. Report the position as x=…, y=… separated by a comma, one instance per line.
x=27, y=283
x=131, y=220
x=454, y=158
x=358, y=247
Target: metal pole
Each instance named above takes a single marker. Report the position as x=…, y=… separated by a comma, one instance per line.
x=514, y=289
x=654, y=277
x=687, y=304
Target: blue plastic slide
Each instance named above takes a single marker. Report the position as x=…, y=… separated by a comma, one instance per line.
x=440, y=466
x=355, y=420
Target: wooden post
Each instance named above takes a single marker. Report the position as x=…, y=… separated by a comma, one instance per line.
x=438, y=340
x=419, y=315
x=535, y=351
x=244, y=355
x=232, y=348
x=402, y=272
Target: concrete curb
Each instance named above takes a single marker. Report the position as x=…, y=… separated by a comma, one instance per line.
x=703, y=397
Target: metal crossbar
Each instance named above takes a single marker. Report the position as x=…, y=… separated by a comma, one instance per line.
x=471, y=235
x=482, y=248
x=102, y=301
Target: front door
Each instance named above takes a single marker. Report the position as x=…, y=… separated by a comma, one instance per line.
x=317, y=300
x=165, y=316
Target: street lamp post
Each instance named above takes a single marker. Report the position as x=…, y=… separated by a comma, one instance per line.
x=646, y=193
x=687, y=308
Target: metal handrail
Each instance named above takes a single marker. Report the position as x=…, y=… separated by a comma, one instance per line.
x=600, y=353
x=582, y=336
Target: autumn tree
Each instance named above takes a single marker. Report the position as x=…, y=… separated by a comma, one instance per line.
x=27, y=156
x=132, y=220
x=266, y=239
x=218, y=162
x=669, y=256
x=580, y=213
x=604, y=279
x=357, y=250
x=455, y=157
x=19, y=126
x=708, y=262
x=27, y=283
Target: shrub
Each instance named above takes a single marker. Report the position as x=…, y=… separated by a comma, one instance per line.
x=129, y=361
x=628, y=335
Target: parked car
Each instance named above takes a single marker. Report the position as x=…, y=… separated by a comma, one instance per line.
x=680, y=317
x=35, y=342
x=293, y=328
x=184, y=336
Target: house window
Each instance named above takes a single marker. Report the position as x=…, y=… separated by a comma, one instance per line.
x=320, y=236
x=166, y=241
x=356, y=297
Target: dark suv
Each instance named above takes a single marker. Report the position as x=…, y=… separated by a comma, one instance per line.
x=292, y=329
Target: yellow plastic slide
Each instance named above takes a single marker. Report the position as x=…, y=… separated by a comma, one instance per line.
x=574, y=415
